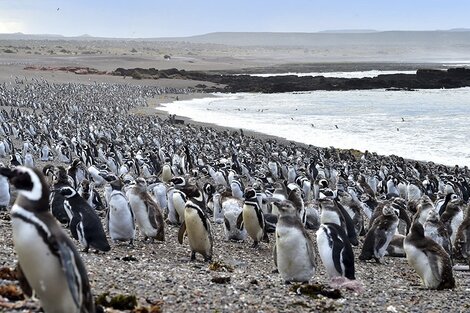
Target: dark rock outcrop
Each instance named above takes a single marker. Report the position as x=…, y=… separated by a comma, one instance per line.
x=423, y=79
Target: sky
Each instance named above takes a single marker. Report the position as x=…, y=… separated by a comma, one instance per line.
x=179, y=18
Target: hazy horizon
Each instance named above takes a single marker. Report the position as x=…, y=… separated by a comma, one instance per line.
x=159, y=19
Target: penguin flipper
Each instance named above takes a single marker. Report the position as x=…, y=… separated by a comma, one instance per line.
x=434, y=263
x=181, y=232
x=69, y=266
x=380, y=240
x=24, y=284
x=275, y=255
x=240, y=221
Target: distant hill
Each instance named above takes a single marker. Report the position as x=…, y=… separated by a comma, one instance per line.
x=457, y=36
x=386, y=38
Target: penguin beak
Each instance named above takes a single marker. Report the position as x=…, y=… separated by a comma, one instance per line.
x=5, y=171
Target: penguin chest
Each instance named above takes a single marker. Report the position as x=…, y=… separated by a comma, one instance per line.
x=178, y=204
x=251, y=223
x=328, y=216
x=141, y=216
x=198, y=235
x=121, y=223
x=325, y=249
x=454, y=225
x=421, y=263
x=41, y=267
x=293, y=258
x=379, y=251
x=431, y=231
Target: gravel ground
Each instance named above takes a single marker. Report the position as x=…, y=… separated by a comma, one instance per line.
x=161, y=275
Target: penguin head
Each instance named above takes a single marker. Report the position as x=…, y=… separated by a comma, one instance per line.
x=141, y=183
x=286, y=208
x=250, y=193
x=67, y=192
x=433, y=216
x=29, y=182
x=389, y=210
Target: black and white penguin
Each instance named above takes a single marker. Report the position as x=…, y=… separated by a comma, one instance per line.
x=227, y=209
x=462, y=239
x=85, y=225
x=332, y=212
x=47, y=257
x=429, y=259
x=335, y=251
x=4, y=191
x=252, y=218
x=198, y=229
x=453, y=217
x=437, y=231
x=379, y=235
x=120, y=217
x=57, y=199
x=293, y=252
x=148, y=215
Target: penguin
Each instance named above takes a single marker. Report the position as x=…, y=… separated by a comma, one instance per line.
x=333, y=212
x=293, y=252
x=57, y=199
x=148, y=215
x=437, y=231
x=231, y=208
x=120, y=217
x=452, y=217
x=198, y=229
x=379, y=235
x=47, y=257
x=85, y=225
x=335, y=251
x=395, y=247
x=88, y=192
x=430, y=261
x=4, y=191
x=176, y=203
x=252, y=218
x=462, y=239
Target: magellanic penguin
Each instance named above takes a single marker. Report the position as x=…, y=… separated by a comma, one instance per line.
x=333, y=212
x=120, y=217
x=379, y=235
x=147, y=213
x=437, y=231
x=4, y=192
x=196, y=225
x=252, y=218
x=453, y=217
x=293, y=253
x=85, y=225
x=335, y=251
x=462, y=239
x=47, y=257
x=429, y=259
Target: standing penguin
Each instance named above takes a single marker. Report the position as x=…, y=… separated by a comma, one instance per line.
x=120, y=217
x=196, y=225
x=147, y=213
x=379, y=235
x=462, y=239
x=85, y=225
x=429, y=259
x=294, y=250
x=47, y=257
x=252, y=218
x=335, y=251
x=4, y=191
x=437, y=231
x=453, y=217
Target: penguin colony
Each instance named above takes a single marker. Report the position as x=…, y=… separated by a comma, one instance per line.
x=120, y=177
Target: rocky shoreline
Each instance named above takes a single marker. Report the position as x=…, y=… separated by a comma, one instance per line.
x=423, y=79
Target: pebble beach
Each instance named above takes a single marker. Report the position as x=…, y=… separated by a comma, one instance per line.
x=160, y=275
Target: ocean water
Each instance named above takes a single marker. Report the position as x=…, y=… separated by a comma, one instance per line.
x=427, y=125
